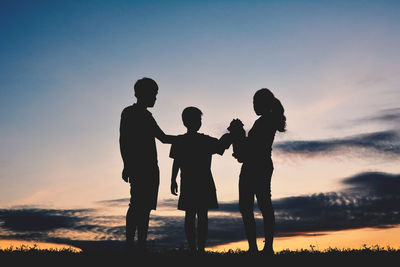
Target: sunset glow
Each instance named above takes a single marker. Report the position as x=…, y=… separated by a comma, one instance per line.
x=348, y=239
x=67, y=71
x=27, y=245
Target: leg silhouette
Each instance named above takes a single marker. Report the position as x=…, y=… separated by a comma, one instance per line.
x=190, y=217
x=269, y=227
x=202, y=230
x=143, y=226
x=250, y=229
x=131, y=225
x=137, y=219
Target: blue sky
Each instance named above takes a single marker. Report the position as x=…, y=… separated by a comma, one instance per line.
x=67, y=70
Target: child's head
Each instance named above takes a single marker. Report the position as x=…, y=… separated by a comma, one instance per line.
x=264, y=103
x=146, y=90
x=191, y=117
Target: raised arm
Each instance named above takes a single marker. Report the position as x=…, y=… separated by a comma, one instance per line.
x=164, y=138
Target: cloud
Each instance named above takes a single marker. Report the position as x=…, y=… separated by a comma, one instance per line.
x=125, y=201
x=374, y=183
x=384, y=142
x=370, y=199
x=388, y=116
x=55, y=225
x=113, y=202
x=25, y=220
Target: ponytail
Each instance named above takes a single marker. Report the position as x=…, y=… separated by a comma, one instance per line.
x=278, y=115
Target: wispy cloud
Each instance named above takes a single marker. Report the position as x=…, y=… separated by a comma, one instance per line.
x=389, y=116
x=370, y=199
x=125, y=201
x=113, y=202
x=385, y=143
x=27, y=220
x=379, y=143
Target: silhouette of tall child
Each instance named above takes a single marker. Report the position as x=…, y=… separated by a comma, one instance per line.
x=192, y=153
x=138, y=131
x=254, y=151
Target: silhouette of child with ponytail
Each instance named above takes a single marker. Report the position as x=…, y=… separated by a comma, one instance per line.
x=254, y=152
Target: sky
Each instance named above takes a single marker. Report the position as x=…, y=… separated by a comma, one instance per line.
x=67, y=70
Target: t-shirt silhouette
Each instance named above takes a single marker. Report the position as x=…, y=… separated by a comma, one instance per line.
x=138, y=130
x=256, y=148
x=193, y=152
x=260, y=138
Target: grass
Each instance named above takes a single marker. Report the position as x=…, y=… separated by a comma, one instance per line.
x=375, y=255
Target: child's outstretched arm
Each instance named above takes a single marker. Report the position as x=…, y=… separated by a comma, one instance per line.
x=226, y=141
x=220, y=145
x=174, y=185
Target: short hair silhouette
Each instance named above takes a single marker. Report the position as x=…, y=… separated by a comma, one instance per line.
x=145, y=86
x=190, y=115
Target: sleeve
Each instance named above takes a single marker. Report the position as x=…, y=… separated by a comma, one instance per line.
x=173, y=152
x=215, y=146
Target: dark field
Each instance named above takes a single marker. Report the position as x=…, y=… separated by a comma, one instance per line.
x=371, y=256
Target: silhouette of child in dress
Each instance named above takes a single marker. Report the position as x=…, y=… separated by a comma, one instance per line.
x=192, y=153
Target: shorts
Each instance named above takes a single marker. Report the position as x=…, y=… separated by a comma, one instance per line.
x=255, y=181
x=144, y=190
